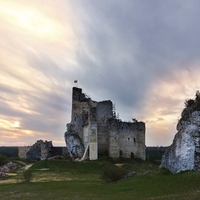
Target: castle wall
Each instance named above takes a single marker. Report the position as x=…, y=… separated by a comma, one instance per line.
x=104, y=112
x=80, y=110
x=96, y=125
x=140, y=148
x=86, y=135
x=127, y=139
x=22, y=151
x=92, y=132
x=113, y=150
x=62, y=151
x=79, y=116
x=131, y=140
x=93, y=148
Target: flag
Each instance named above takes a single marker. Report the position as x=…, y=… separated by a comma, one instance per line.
x=75, y=81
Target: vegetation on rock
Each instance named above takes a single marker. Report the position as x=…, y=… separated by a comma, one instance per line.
x=194, y=103
x=191, y=105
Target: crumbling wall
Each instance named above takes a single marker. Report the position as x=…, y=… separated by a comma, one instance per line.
x=114, y=150
x=40, y=150
x=127, y=139
x=113, y=136
x=55, y=151
x=104, y=112
x=22, y=151
x=80, y=111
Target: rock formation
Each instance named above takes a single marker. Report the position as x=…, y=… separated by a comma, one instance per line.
x=184, y=153
x=73, y=142
x=40, y=150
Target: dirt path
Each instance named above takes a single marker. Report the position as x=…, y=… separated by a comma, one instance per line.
x=28, y=166
x=20, y=162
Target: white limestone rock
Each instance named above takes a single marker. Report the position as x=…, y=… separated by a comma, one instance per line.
x=184, y=152
x=74, y=145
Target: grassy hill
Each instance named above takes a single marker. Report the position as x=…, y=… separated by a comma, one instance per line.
x=82, y=180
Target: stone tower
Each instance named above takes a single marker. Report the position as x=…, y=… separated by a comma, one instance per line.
x=97, y=131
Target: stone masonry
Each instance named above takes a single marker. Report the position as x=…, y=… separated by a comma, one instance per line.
x=100, y=132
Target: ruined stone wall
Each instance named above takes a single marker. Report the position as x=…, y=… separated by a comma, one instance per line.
x=85, y=134
x=93, y=148
x=140, y=147
x=22, y=151
x=104, y=112
x=80, y=110
x=62, y=151
x=127, y=139
x=46, y=149
x=80, y=116
x=114, y=150
x=113, y=136
x=92, y=132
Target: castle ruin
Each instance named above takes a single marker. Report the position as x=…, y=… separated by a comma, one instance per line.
x=95, y=130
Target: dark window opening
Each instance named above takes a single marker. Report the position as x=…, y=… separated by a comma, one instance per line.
x=128, y=138
x=134, y=140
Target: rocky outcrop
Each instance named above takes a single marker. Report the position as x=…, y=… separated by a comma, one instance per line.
x=40, y=150
x=74, y=144
x=184, y=153
x=7, y=168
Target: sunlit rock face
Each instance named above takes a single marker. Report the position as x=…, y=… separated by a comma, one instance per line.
x=184, y=153
x=74, y=144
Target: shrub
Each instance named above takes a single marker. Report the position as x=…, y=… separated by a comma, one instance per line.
x=112, y=173
x=27, y=176
x=189, y=103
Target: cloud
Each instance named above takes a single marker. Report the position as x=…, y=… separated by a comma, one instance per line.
x=35, y=81
x=141, y=56
x=144, y=56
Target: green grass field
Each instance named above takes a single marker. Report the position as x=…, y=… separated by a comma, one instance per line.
x=81, y=180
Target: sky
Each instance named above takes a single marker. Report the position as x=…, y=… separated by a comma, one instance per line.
x=142, y=55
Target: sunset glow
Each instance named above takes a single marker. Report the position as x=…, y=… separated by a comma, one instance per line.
x=31, y=21
x=16, y=124
x=142, y=57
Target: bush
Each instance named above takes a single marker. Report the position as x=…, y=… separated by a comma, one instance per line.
x=3, y=160
x=27, y=176
x=112, y=173
x=189, y=103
